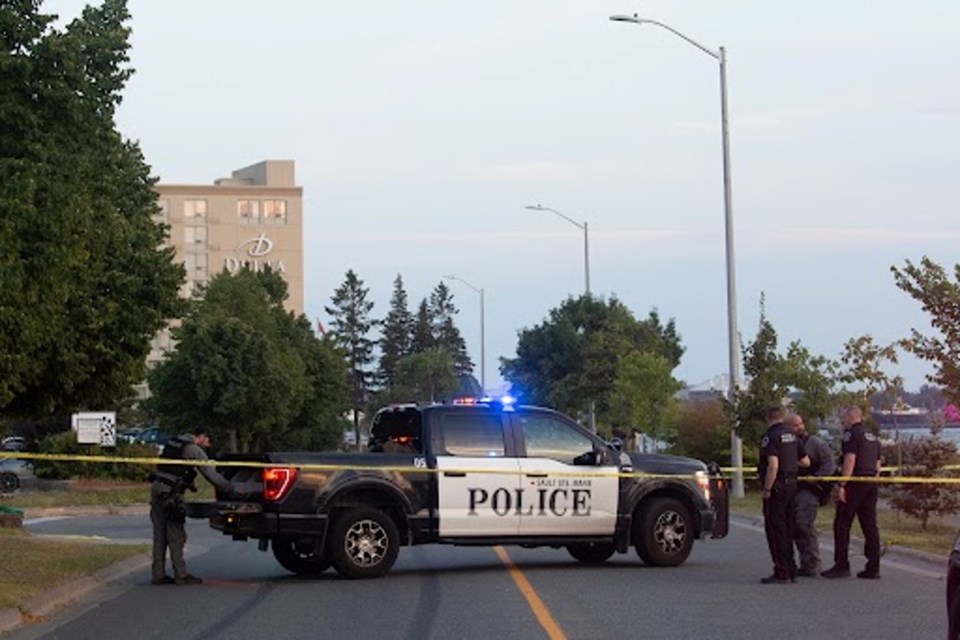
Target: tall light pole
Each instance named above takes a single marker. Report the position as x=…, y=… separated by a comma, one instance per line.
x=483, y=348
x=586, y=277
x=586, y=238
x=720, y=56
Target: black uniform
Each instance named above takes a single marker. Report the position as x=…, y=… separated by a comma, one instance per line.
x=778, y=509
x=861, y=500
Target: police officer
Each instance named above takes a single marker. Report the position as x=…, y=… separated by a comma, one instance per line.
x=861, y=459
x=810, y=495
x=167, y=511
x=780, y=454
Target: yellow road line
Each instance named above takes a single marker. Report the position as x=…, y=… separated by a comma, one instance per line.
x=554, y=632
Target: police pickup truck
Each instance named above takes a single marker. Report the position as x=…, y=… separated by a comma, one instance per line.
x=483, y=474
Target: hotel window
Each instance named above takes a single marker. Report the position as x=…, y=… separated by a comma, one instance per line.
x=163, y=215
x=194, y=210
x=195, y=237
x=248, y=211
x=196, y=265
x=275, y=212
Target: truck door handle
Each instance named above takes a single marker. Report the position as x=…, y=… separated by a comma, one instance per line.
x=455, y=474
x=536, y=475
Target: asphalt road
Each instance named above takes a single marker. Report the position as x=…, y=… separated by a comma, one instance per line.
x=452, y=592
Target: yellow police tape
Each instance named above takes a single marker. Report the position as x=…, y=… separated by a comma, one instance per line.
x=60, y=457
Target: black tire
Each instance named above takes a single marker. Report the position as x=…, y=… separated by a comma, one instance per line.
x=299, y=556
x=663, y=532
x=9, y=483
x=592, y=552
x=363, y=543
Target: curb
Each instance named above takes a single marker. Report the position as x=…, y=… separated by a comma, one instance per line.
x=87, y=510
x=67, y=593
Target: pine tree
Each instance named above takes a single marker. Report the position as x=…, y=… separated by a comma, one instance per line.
x=422, y=339
x=350, y=325
x=445, y=332
x=397, y=335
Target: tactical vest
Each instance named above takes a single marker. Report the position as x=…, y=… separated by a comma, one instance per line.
x=868, y=451
x=178, y=476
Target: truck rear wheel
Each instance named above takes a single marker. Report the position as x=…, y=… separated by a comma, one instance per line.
x=300, y=556
x=592, y=552
x=663, y=533
x=364, y=543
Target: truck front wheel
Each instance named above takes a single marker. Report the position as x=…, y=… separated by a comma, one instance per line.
x=363, y=543
x=663, y=532
x=592, y=552
x=300, y=556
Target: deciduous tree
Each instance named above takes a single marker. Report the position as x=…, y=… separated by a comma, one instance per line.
x=86, y=281
x=939, y=295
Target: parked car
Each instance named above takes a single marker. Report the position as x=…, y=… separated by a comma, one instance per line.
x=13, y=443
x=129, y=434
x=154, y=436
x=953, y=592
x=15, y=474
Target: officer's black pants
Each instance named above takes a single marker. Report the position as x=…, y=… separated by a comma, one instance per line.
x=862, y=503
x=778, y=523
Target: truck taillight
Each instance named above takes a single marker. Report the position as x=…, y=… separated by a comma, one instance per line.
x=703, y=481
x=277, y=482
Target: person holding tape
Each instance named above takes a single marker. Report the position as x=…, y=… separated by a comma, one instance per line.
x=861, y=459
x=780, y=457
x=811, y=495
x=167, y=512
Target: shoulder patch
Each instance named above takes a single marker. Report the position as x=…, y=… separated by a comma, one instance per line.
x=869, y=437
x=764, y=441
x=846, y=436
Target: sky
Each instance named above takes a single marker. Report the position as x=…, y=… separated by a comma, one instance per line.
x=421, y=130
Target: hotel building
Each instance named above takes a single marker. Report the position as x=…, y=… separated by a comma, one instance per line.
x=252, y=219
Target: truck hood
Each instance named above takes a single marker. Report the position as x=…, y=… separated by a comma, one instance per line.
x=660, y=463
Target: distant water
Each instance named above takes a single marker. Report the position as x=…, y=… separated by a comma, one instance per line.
x=949, y=434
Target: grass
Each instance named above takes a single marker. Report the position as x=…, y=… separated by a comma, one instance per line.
x=82, y=493
x=903, y=531
x=28, y=567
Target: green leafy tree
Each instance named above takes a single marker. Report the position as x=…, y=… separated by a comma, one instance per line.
x=939, y=296
x=863, y=365
x=350, y=330
x=700, y=430
x=423, y=377
x=642, y=392
x=766, y=387
x=397, y=335
x=87, y=282
x=573, y=357
x=812, y=379
x=250, y=370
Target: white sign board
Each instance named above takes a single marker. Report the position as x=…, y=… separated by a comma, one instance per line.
x=95, y=428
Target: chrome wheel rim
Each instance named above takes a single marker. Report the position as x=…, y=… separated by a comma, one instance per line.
x=670, y=532
x=366, y=543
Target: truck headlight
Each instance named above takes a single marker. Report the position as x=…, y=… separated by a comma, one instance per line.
x=703, y=482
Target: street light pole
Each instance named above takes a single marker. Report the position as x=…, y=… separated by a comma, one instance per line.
x=736, y=444
x=586, y=277
x=586, y=239
x=483, y=347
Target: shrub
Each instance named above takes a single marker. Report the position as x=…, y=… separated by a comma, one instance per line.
x=65, y=443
